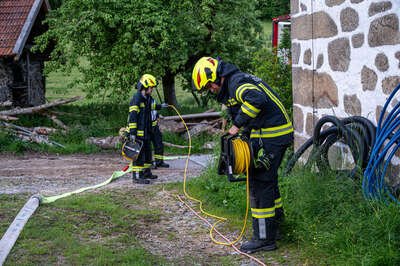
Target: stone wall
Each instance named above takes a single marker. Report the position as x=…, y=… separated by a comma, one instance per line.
x=14, y=86
x=5, y=82
x=346, y=59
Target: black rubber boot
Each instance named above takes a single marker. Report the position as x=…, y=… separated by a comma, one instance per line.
x=138, y=178
x=279, y=216
x=261, y=242
x=161, y=163
x=148, y=175
x=255, y=245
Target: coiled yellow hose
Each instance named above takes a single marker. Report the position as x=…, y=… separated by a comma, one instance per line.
x=242, y=164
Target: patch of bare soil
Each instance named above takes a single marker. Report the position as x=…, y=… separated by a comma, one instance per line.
x=52, y=174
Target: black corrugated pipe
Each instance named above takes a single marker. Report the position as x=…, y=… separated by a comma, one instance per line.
x=357, y=132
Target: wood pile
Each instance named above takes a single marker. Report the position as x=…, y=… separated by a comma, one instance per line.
x=36, y=134
x=209, y=122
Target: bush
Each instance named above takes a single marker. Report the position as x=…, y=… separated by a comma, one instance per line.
x=270, y=68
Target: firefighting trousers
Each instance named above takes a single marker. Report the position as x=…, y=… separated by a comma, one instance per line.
x=156, y=139
x=265, y=199
x=144, y=157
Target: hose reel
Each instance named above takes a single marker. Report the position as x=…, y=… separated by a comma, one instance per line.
x=235, y=155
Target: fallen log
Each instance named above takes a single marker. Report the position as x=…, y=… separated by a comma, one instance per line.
x=197, y=130
x=193, y=116
x=171, y=126
x=35, y=109
x=6, y=104
x=110, y=142
x=56, y=121
x=8, y=118
x=174, y=145
x=44, y=130
x=223, y=124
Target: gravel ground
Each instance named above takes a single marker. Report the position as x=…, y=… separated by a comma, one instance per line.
x=51, y=174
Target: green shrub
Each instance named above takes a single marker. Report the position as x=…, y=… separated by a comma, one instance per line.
x=270, y=68
x=332, y=222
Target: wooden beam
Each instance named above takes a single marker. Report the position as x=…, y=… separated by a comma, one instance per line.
x=30, y=110
x=192, y=116
x=8, y=118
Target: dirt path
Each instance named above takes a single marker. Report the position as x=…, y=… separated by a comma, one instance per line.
x=180, y=235
x=52, y=174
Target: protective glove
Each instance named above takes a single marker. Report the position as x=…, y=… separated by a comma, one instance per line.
x=263, y=160
x=124, y=134
x=164, y=105
x=132, y=138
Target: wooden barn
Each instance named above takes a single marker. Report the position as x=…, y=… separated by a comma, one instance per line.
x=22, y=82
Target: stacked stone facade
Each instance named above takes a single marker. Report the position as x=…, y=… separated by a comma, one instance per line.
x=346, y=59
x=22, y=83
x=6, y=79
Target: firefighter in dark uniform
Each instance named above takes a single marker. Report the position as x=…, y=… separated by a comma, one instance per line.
x=156, y=138
x=140, y=126
x=257, y=108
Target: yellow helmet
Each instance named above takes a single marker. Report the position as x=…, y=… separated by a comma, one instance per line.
x=204, y=71
x=146, y=81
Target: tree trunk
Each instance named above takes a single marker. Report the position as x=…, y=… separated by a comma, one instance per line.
x=168, y=81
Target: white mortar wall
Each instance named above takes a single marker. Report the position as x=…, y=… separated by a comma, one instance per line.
x=350, y=82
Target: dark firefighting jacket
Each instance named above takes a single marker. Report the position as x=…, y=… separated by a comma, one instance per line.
x=260, y=110
x=140, y=120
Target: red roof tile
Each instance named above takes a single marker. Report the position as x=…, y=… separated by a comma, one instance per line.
x=13, y=15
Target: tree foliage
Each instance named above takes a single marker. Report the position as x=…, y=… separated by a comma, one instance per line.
x=278, y=74
x=273, y=8
x=122, y=39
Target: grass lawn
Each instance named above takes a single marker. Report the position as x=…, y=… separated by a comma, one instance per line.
x=91, y=228
x=267, y=32
x=60, y=85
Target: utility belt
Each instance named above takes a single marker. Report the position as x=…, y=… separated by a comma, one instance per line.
x=272, y=132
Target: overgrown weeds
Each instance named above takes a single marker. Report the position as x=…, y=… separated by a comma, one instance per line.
x=333, y=224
